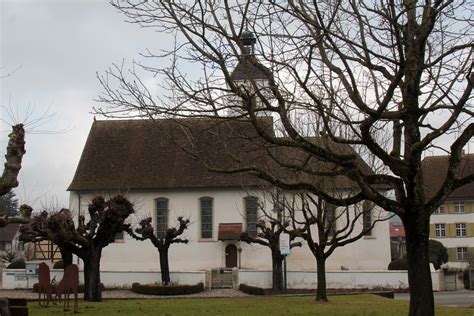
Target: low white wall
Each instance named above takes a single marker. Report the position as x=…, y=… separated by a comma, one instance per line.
x=17, y=278
x=339, y=279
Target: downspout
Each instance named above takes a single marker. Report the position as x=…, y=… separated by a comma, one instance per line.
x=78, y=214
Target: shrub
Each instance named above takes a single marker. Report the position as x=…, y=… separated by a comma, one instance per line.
x=58, y=265
x=253, y=290
x=18, y=264
x=154, y=289
x=80, y=288
x=398, y=264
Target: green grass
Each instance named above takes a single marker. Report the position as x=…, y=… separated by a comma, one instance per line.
x=367, y=305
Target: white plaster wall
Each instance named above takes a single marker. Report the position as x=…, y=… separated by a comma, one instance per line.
x=17, y=279
x=339, y=279
x=228, y=205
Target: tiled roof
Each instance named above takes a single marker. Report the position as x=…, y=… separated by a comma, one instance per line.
x=149, y=155
x=435, y=169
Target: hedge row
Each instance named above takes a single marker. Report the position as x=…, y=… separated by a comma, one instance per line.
x=153, y=289
x=80, y=288
x=253, y=290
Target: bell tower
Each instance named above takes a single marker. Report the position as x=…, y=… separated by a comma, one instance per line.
x=249, y=77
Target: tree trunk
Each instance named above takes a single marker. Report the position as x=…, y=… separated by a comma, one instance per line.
x=66, y=256
x=92, y=287
x=419, y=275
x=164, y=266
x=277, y=271
x=321, y=293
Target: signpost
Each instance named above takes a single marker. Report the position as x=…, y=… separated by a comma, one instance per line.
x=284, y=251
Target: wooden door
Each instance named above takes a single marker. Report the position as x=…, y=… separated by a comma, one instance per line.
x=230, y=256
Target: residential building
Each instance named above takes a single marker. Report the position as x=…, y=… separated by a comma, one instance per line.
x=452, y=223
x=398, y=245
x=9, y=238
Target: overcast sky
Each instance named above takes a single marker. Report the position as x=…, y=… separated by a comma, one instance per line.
x=50, y=53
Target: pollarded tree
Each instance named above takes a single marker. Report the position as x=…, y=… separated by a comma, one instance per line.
x=106, y=219
x=162, y=241
x=269, y=229
x=8, y=181
x=359, y=72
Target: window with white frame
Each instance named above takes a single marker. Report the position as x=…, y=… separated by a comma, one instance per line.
x=440, y=230
x=461, y=230
x=459, y=207
x=439, y=210
x=251, y=205
x=461, y=253
x=206, y=217
x=161, y=217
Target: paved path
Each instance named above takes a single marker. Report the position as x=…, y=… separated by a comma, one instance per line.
x=126, y=294
x=464, y=298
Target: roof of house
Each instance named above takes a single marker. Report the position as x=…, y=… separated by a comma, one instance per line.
x=171, y=154
x=7, y=233
x=435, y=169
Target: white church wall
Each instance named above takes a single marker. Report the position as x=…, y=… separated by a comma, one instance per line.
x=228, y=207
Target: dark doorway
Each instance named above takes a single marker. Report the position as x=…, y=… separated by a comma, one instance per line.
x=230, y=256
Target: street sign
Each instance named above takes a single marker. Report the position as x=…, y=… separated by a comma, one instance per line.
x=284, y=244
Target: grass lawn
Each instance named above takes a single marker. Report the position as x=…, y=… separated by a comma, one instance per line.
x=368, y=305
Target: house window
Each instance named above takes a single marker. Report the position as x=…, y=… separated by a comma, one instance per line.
x=161, y=217
x=459, y=207
x=206, y=217
x=330, y=223
x=440, y=230
x=461, y=230
x=461, y=253
x=439, y=210
x=251, y=214
x=367, y=217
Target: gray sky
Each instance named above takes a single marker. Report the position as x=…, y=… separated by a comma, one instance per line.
x=53, y=49
x=50, y=52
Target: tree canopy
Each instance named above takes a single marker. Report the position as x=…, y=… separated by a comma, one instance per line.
x=393, y=79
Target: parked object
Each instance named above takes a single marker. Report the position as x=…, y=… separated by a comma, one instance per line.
x=68, y=285
x=44, y=285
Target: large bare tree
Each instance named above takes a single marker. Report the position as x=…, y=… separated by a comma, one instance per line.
x=356, y=72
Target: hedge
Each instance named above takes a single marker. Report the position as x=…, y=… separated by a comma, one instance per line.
x=154, y=289
x=398, y=264
x=80, y=288
x=253, y=290
x=19, y=264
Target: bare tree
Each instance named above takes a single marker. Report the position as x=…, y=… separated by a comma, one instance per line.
x=326, y=228
x=161, y=241
x=269, y=229
x=105, y=220
x=354, y=71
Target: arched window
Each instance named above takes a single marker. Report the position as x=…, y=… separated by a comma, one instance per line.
x=251, y=205
x=161, y=217
x=206, y=216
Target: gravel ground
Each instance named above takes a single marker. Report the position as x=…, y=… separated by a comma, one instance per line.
x=127, y=294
